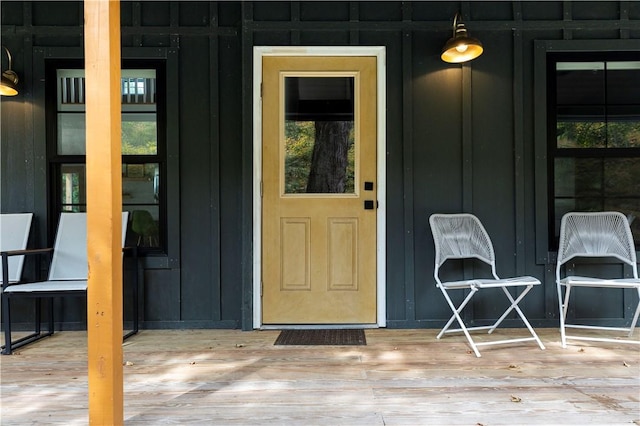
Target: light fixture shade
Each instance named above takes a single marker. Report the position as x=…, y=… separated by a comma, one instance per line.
x=461, y=47
x=9, y=83
x=8, y=87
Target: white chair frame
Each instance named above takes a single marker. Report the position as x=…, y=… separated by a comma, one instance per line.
x=595, y=235
x=462, y=236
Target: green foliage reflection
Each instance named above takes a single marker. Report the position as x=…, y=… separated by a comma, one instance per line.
x=139, y=138
x=598, y=134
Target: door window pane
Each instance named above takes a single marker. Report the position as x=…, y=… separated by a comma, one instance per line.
x=319, y=135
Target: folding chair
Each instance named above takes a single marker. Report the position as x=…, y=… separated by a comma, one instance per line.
x=462, y=236
x=595, y=235
x=68, y=274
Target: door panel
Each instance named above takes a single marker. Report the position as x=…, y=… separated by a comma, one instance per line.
x=319, y=149
x=295, y=253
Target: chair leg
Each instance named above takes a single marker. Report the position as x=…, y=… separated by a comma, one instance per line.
x=563, y=307
x=51, y=323
x=456, y=316
x=136, y=298
x=37, y=334
x=514, y=306
x=37, y=315
x=6, y=321
x=458, y=310
x=635, y=317
x=38, y=319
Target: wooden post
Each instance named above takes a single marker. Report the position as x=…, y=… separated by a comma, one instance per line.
x=104, y=207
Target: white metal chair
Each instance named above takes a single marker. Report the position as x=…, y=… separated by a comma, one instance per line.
x=462, y=236
x=68, y=275
x=595, y=235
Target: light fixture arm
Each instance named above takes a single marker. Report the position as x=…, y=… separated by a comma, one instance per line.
x=8, y=56
x=455, y=23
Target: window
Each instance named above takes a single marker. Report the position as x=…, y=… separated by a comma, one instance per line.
x=143, y=147
x=593, y=135
x=319, y=135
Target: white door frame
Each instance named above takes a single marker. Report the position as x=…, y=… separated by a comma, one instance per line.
x=379, y=52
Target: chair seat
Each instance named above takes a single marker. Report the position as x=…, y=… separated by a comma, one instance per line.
x=48, y=287
x=492, y=283
x=600, y=282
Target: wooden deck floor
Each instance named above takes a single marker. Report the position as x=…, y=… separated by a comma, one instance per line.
x=402, y=377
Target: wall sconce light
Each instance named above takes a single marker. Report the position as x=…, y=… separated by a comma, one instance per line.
x=9, y=84
x=460, y=47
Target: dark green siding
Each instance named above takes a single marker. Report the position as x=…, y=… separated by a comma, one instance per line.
x=459, y=138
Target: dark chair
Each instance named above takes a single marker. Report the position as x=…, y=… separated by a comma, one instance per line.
x=68, y=274
x=143, y=224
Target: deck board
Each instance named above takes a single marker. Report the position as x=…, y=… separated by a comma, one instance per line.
x=402, y=377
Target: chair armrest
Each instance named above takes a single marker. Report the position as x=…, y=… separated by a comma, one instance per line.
x=5, y=260
x=26, y=252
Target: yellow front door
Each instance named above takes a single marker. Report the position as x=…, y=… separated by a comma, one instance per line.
x=319, y=190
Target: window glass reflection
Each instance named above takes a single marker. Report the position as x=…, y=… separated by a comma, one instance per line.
x=319, y=135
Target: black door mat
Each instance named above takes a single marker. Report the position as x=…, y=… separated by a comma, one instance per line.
x=321, y=337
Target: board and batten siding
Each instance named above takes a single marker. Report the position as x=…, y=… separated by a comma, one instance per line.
x=459, y=138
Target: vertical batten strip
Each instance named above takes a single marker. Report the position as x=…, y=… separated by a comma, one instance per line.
x=467, y=151
x=295, y=17
x=624, y=18
x=407, y=161
x=518, y=139
x=247, y=223
x=215, y=176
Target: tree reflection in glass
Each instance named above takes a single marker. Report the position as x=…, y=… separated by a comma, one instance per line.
x=319, y=135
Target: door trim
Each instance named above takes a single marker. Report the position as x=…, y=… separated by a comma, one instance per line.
x=379, y=52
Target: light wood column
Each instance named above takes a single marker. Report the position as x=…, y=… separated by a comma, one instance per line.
x=104, y=206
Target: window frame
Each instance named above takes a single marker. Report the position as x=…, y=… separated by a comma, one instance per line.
x=44, y=175
x=57, y=160
x=545, y=245
x=596, y=153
